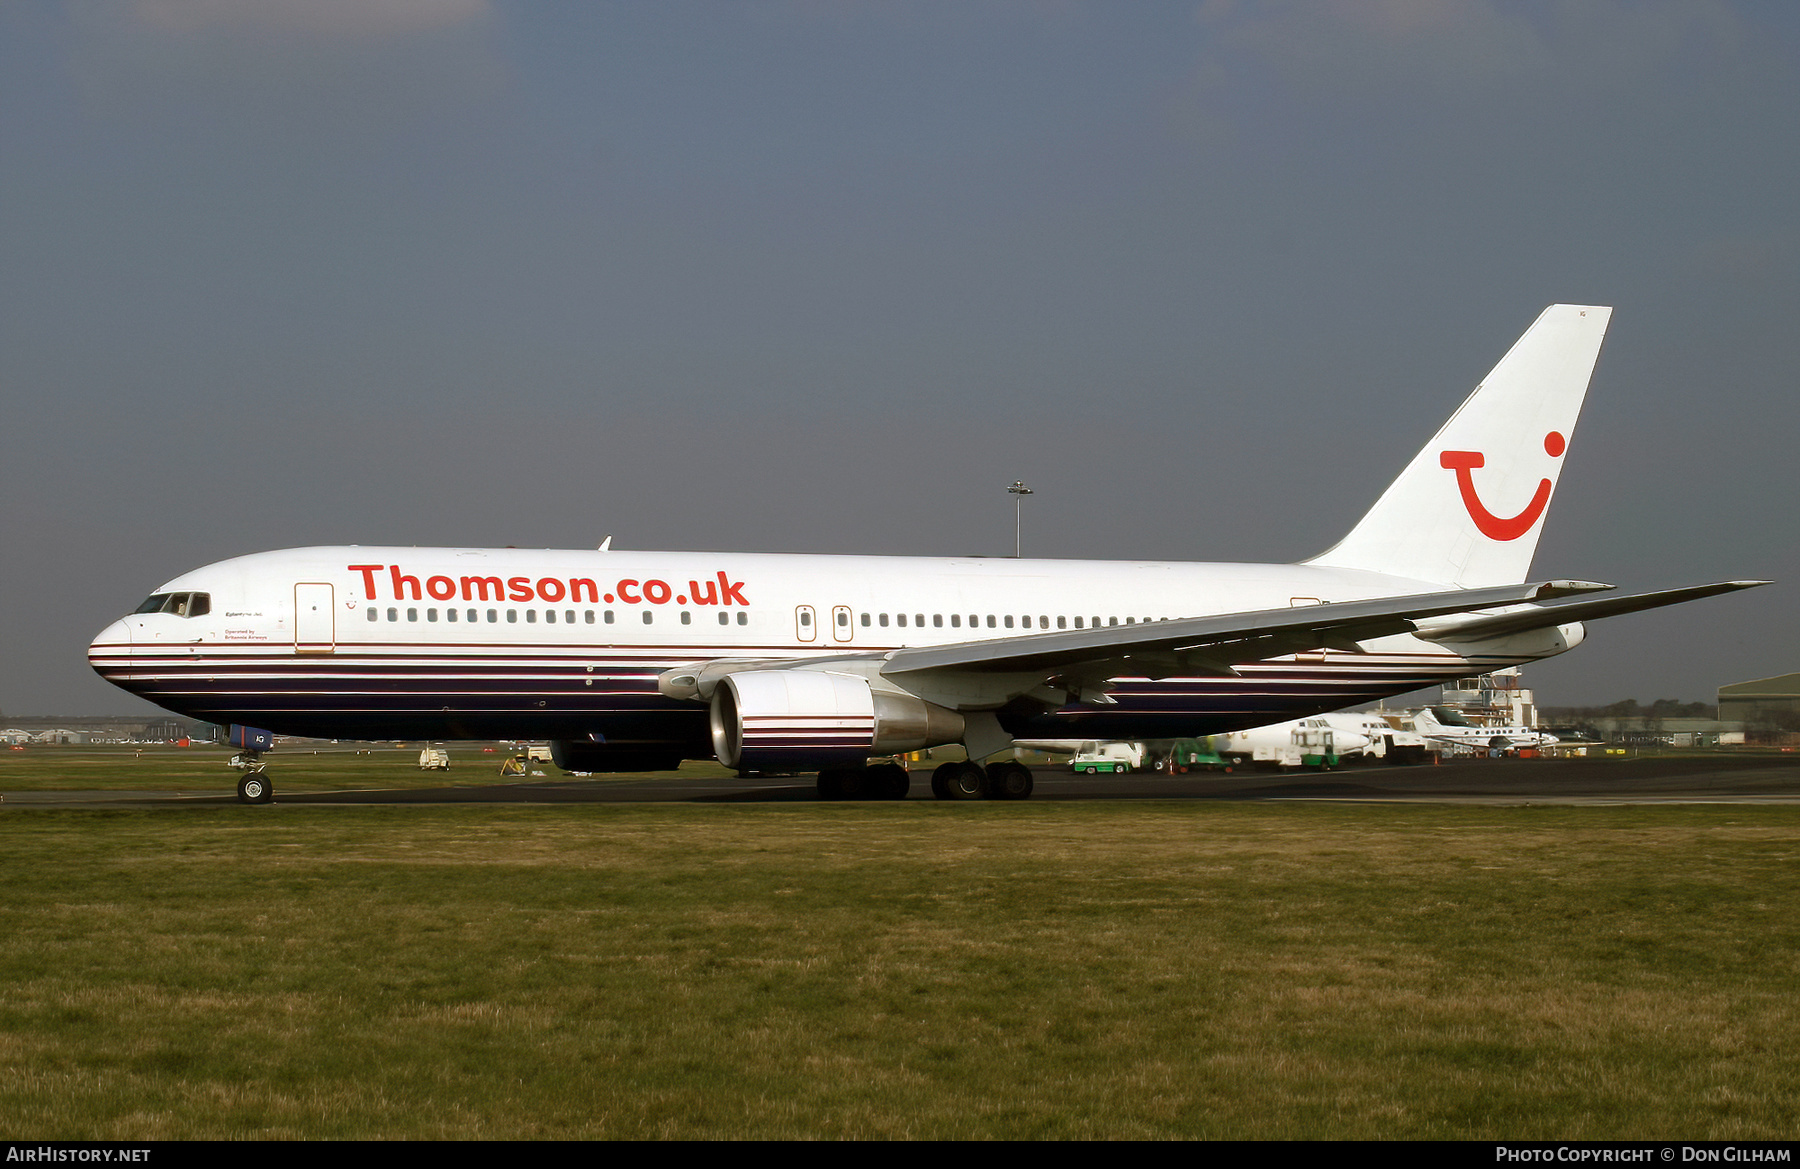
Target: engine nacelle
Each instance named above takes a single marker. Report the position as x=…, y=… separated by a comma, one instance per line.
x=576, y=755
x=804, y=719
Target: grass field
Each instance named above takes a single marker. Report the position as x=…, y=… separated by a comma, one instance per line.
x=163, y=767
x=1058, y=969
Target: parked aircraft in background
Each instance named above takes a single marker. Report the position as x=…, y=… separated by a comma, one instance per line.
x=1443, y=727
x=638, y=660
x=1308, y=742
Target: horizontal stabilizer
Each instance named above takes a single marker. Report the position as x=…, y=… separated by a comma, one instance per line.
x=1546, y=616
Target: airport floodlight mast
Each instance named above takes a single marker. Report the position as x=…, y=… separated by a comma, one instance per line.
x=1018, y=491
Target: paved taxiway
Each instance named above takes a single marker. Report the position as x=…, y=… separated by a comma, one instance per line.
x=1708, y=779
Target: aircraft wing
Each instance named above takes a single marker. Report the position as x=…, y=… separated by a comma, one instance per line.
x=1544, y=616
x=1214, y=645
x=1083, y=660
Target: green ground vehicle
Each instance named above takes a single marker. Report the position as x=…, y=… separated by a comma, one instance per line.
x=1107, y=759
x=1194, y=755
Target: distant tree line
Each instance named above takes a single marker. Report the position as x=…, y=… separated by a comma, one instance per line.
x=1631, y=708
x=1765, y=724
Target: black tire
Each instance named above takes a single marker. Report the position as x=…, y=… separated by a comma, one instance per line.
x=1009, y=781
x=887, y=781
x=254, y=788
x=968, y=782
x=831, y=784
x=940, y=780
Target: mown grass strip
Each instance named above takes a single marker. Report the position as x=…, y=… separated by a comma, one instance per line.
x=204, y=769
x=900, y=970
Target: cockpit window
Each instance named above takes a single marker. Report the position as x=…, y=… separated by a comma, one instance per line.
x=180, y=604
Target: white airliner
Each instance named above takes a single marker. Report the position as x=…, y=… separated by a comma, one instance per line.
x=638, y=660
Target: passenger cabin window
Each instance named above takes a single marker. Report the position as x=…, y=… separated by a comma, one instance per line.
x=743, y=618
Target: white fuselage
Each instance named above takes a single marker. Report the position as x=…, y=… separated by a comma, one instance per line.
x=1290, y=743
x=355, y=642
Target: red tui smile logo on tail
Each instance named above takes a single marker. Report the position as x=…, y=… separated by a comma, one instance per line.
x=1492, y=526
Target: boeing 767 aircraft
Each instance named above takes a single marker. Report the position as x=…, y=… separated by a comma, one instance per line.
x=638, y=660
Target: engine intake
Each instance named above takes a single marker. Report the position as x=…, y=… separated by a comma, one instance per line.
x=802, y=719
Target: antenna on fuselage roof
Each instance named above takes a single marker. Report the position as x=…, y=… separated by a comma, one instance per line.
x=606, y=544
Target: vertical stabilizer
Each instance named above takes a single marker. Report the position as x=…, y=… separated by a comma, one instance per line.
x=1469, y=508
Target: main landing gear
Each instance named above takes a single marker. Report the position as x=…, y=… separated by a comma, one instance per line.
x=1006, y=780
x=253, y=786
x=884, y=781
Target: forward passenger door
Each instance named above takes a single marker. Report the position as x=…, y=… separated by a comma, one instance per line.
x=315, y=619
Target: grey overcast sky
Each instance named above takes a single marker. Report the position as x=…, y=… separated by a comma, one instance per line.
x=826, y=277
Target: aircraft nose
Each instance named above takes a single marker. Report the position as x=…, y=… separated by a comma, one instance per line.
x=111, y=648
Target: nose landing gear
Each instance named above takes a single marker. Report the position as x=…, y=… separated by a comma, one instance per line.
x=253, y=786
